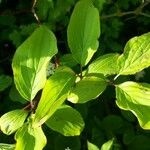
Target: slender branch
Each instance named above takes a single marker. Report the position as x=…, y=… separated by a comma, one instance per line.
x=34, y=13
x=137, y=11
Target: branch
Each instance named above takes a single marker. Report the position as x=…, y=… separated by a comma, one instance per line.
x=137, y=11
x=34, y=13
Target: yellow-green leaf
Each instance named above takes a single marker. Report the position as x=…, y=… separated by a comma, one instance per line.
x=30, y=62
x=83, y=31
x=29, y=138
x=106, y=64
x=54, y=94
x=136, y=55
x=135, y=97
x=12, y=120
x=68, y=124
x=88, y=88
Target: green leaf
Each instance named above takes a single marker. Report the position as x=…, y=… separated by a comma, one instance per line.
x=135, y=97
x=108, y=145
x=136, y=55
x=91, y=146
x=30, y=62
x=29, y=138
x=5, y=82
x=83, y=32
x=90, y=87
x=54, y=93
x=7, y=146
x=15, y=95
x=12, y=120
x=106, y=64
x=68, y=60
x=68, y=124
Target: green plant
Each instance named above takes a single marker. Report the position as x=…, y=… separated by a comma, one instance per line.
x=47, y=95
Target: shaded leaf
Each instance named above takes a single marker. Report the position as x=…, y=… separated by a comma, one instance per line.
x=54, y=93
x=5, y=82
x=12, y=120
x=30, y=62
x=135, y=97
x=87, y=89
x=83, y=32
x=68, y=124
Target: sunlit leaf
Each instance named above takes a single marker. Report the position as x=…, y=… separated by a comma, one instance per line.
x=12, y=120
x=29, y=138
x=106, y=64
x=54, y=93
x=135, y=97
x=7, y=146
x=88, y=88
x=30, y=62
x=136, y=55
x=108, y=145
x=84, y=31
x=91, y=146
x=68, y=124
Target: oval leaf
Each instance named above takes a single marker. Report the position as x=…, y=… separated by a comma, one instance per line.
x=135, y=97
x=54, y=93
x=83, y=32
x=68, y=124
x=136, y=55
x=87, y=89
x=12, y=120
x=106, y=64
x=30, y=62
x=29, y=138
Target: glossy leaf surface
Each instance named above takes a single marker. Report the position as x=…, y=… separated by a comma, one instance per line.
x=83, y=32
x=29, y=138
x=54, y=93
x=68, y=124
x=136, y=55
x=135, y=97
x=12, y=120
x=106, y=64
x=87, y=89
x=30, y=62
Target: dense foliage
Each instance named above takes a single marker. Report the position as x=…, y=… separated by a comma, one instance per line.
x=74, y=74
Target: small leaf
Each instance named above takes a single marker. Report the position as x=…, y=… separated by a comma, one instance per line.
x=7, y=146
x=54, y=93
x=135, y=97
x=12, y=120
x=29, y=138
x=30, y=62
x=136, y=55
x=108, y=145
x=90, y=87
x=106, y=64
x=5, y=82
x=91, y=146
x=83, y=32
x=68, y=124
